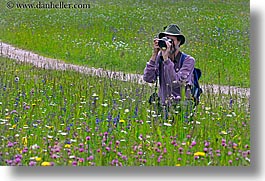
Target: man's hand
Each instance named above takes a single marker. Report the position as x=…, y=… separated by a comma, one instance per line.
x=155, y=49
x=166, y=52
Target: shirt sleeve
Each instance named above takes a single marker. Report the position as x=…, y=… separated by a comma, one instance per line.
x=150, y=72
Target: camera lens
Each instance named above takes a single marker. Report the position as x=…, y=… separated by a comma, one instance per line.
x=162, y=44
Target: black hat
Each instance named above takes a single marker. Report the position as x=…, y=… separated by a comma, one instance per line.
x=173, y=30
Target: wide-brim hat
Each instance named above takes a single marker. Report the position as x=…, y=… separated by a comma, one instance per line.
x=173, y=30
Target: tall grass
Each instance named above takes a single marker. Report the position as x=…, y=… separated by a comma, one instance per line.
x=61, y=118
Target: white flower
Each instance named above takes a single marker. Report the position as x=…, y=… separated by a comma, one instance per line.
x=34, y=147
x=105, y=104
x=126, y=110
x=167, y=124
x=94, y=95
x=64, y=134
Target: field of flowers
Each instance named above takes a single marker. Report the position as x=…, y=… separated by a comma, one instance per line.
x=58, y=118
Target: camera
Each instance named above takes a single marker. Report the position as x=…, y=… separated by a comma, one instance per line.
x=162, y=42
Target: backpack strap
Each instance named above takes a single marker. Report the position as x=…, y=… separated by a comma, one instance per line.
x=182, y=58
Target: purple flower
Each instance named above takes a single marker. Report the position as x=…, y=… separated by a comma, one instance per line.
x=88, y=138
x=229, y=153
x=230, y=161
x=74, y=163
x=90, y=158
x=81, y=150
x=140, y=153
x=117, y=142
x=17, y=160
x=119, y=154
x=217, y=151
x=193, y=143
x=124, y=157
x=32, y=163
x=159, y=144
x=108, y=148
x=206, y=144
x=10, y=144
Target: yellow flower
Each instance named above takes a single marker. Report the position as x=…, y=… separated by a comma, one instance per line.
x=199, y=153
x=38, y=159
x=24, y=140
x=14, y=126
x=177, y=165
x=223, y=132
x=45, y=164
x=122, y=121
x=67, y=145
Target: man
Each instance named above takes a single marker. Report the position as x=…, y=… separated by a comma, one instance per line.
x=165, y=64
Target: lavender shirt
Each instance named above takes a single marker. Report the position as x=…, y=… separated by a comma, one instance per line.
x=172, y=77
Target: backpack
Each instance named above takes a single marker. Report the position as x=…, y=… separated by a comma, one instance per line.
x=196, y=89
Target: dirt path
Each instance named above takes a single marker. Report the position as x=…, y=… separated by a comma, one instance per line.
x=17, y=54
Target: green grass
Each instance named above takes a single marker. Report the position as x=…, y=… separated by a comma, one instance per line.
x=217, y=33
x=67, y=118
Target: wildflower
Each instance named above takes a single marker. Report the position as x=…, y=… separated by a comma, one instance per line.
x=124, y=157
x=223, y=132
x=108, y=148
x=24, y=140
x=67, y=146
x=32, y=163
x=88, y=138
x=122, y=121
x=117, y=143
x=167, y=124
x=193, y=143
x=74, y=163
x=159, y=144
x=229, y=153
x=119, y=154
x=45, y=164
x=10, y=144
x=81, y=160
x=90, y=158
x=16, y=79
x=38, y=159
x=196, y=157
x=177, y=165
x=199, y=154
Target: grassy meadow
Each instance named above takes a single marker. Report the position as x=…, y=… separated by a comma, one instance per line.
x=65, y=118
x=117, y=35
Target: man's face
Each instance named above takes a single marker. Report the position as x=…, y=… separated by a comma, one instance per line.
x=176, y=42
